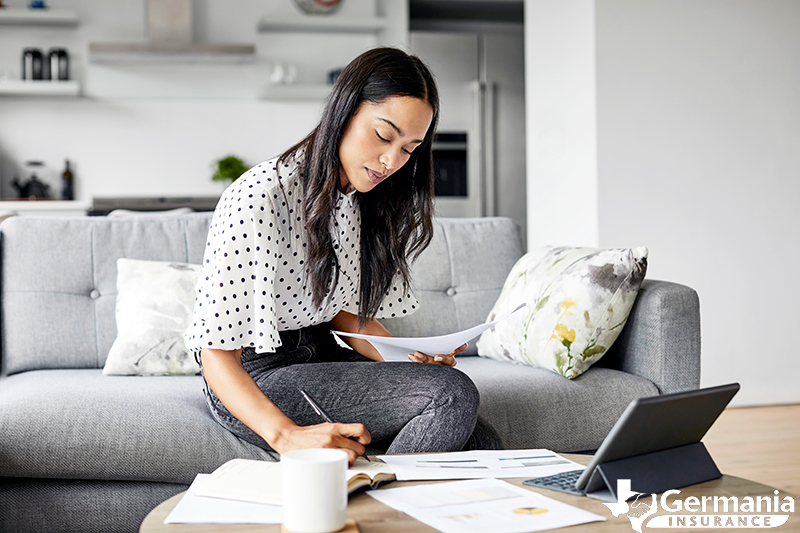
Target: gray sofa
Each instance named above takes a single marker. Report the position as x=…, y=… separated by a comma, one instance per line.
x=80, y=451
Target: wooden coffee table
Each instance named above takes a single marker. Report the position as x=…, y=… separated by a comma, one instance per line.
x=375, y=517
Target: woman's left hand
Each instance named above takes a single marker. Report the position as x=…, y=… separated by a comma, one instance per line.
x=439, y=359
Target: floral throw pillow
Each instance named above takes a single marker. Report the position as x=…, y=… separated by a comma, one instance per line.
x=154, y=306
x=578, y=302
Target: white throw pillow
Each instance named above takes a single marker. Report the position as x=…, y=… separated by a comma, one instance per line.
x=154, y=306
x=578, y=302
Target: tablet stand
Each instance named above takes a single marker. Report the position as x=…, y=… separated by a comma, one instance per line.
x=655, y=472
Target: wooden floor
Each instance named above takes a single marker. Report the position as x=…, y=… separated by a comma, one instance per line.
x=759, y=443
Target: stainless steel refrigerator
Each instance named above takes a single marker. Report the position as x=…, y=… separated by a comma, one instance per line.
x=481, y=84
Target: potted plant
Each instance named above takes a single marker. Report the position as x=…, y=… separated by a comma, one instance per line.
x=228, y=169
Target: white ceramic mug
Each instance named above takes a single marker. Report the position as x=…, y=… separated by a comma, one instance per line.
x=314, y=490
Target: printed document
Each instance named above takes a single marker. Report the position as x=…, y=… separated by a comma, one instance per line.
x=479, y=464
x=482, y=505
x=398, y=348
x=245, y=480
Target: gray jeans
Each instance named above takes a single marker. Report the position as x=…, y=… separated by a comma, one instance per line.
x=407, y=407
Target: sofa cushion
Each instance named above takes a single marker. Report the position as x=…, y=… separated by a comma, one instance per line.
x=59, y=288
x=80, y=424
x=159, y=428
x=74, y=290
x=154, y=308
x=535, y=408
x=578, y=302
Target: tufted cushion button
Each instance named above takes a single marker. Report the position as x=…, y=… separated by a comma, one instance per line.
x=95, y=294
x=451, y=291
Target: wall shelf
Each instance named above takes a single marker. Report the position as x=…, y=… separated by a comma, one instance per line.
x=10, y=16
x=314, y=24
x=322, y=24
x=295, y=92
x=195, y=53
x=39, y=88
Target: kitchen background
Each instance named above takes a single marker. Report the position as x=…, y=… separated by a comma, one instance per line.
x=138, y=124
x=669, y=124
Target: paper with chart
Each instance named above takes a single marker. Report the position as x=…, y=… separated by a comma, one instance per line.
x=479, y=464
x=398, y=348
x=482, y=505
x=194, y=509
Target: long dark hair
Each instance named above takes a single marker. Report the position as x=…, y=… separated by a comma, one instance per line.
x=398, y=211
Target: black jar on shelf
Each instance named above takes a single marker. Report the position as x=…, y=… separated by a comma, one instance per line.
x=32, y=64
x=58, y=63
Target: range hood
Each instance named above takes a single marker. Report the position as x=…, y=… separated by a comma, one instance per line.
x=170, y=39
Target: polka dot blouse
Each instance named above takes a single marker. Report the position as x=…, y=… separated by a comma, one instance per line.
x=253, y=282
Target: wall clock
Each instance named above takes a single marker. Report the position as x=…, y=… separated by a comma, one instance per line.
x=317, y=6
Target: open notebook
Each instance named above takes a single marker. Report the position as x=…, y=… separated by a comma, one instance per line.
x=260, y=481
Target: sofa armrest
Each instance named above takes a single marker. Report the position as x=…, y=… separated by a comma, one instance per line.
x=661, y=340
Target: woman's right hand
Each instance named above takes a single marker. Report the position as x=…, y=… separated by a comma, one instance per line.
x=350, y=438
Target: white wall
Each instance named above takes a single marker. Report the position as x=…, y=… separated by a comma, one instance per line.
x=698, y=158
x=149, y=130
x=127, y=147
x=560, y=100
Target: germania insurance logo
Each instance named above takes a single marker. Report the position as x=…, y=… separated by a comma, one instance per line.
x=700, y=512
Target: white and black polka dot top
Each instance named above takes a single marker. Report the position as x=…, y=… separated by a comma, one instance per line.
x=253, y=282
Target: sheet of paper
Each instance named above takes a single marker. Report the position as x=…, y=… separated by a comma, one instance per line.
x=398, y=348
x=245, y=480
x=482, y=505
x=194, y=509
x=479, y=464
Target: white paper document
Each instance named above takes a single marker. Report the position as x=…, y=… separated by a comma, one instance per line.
x=245, y=480
x=482, y=505
x=194, y=509
x=398, y=348
x=479, y=464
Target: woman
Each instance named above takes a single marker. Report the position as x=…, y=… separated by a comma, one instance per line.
x=320, y=239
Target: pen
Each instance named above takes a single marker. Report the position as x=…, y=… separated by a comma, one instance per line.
x=324, y=415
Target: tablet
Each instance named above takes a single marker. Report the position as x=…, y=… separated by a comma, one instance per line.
x=661, y=422
x=650, y=425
